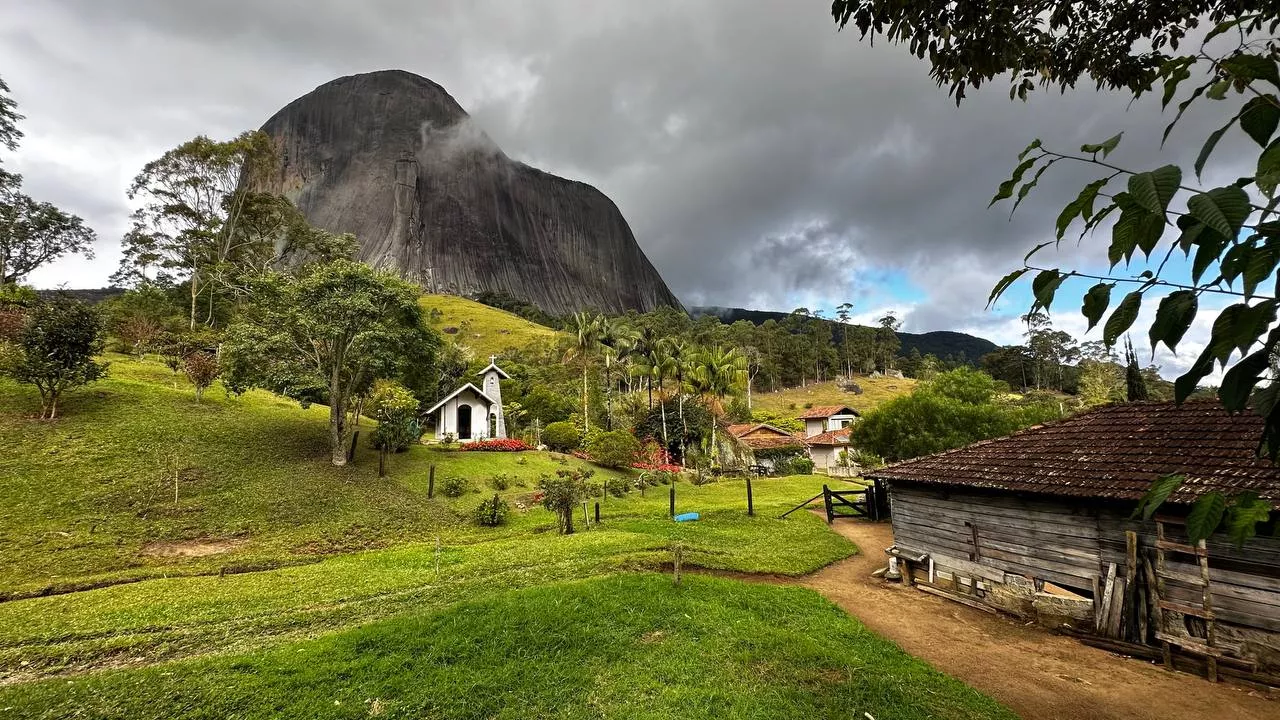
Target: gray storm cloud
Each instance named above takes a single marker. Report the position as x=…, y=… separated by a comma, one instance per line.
x=758, y=154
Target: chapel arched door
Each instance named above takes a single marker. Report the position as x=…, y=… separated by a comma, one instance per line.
x=464, y=422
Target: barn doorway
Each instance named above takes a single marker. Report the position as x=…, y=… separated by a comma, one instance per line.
x=464, y=422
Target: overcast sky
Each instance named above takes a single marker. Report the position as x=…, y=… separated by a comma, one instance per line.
x=763, y=159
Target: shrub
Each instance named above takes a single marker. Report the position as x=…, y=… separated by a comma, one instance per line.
x=617, y=487
x=201, y=369
x=454, y=486
x=562, y=493
x=492, y=512
x=56, y=349
x=501, y=481
x=561, y=436
x=616, y=449
x=799, y=466
x=496, y=445
x=665, y=477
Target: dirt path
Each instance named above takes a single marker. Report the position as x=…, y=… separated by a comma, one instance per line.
x=1036, y=673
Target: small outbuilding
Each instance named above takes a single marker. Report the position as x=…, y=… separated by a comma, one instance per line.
x=827, y=418
x=766, y=443
x=1039, y=524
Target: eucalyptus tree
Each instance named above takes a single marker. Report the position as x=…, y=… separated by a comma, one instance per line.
x=193, y=200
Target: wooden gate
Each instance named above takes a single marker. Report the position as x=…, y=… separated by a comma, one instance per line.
x=862, y=503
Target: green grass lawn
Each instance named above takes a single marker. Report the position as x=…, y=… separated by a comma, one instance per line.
x=631, y=646
x=482, y=329
x=83, y=496
x=339, y=586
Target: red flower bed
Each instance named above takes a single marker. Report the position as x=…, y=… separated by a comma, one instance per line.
x=663, y=467
x=496, y=445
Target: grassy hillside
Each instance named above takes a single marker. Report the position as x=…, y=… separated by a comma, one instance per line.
x=90, y=497
x=629, y=646
x=484, y=330
x=793, y=400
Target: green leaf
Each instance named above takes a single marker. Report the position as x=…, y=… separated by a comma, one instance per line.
x=1238, y=383
x=1044, y=286
x=1190, y=380
x=1176, y=312
x=1245, y=514
x=1209, y=144
x=1096, y=302
x=1006, y=187
x=1218, y=91
x=1182, y=108
x=1224, y=209
x=1210, y=245
x=1175, y=71
x=1155, y=496
x=1269, y=168
x=1123, y=317
x=1261, y=264
x=1136, y=228
x=1026, y=189
x=1035, y=144
x=1205, y=516
x=1239, y=326
x=1260, y=117
x=1247, y=68
x=1004, y=284
x=1153, y=190
x=1225, y=26
x=1105, y=147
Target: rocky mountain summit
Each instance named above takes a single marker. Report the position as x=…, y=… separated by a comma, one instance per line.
x=392, y=158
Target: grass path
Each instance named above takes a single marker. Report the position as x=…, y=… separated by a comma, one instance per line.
x=631, y=646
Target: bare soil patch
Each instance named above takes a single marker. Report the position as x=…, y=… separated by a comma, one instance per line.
x=1034, y=672
x=200, y=547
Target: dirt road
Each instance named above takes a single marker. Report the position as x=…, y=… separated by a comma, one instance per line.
x=1034, y=672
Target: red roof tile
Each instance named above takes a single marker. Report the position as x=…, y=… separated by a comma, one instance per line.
x=1113, y=452
x=826, y=411
x=835, y=437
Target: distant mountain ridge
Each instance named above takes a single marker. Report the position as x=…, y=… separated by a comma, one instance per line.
x=939, y=343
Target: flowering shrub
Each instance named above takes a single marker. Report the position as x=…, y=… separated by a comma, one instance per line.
x=666, y=467
x=496, y=445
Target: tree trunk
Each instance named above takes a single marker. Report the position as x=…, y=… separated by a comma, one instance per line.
x=337, y=422
x=684, y=430
x=586, y=419
x=195, y=293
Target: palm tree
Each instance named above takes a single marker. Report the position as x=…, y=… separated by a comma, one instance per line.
x=716, y=373
x=586, y=331
x=619, y=340
x=679, y=354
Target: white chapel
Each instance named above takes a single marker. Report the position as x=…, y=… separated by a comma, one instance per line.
x=473, y=413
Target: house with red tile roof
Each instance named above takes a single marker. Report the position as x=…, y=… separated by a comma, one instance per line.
x=1040, y=524
x=826, y=430
x=766, y=442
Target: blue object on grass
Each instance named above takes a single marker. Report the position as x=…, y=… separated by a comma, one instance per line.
x=687, y=517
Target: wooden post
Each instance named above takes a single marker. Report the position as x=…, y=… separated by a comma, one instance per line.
x=597, y=513
x=437, y=555
x=494, y=510
x=826, y=500
x=382, y=463
x=351, y=452
x=677, y=553
x=673, y=500
x=431, y=483
x=751, y=508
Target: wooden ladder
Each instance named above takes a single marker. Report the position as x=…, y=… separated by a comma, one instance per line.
x=1204, y=611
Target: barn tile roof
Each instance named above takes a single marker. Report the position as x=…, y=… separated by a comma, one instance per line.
x=835, y=437
x=779, y=438
x=826, y=411
x=1113, y=452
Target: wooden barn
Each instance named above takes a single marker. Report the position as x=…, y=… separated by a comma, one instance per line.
x=1038, y=524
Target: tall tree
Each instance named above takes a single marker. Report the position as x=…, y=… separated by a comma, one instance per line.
x=32, y=233
x=887, y=342
x=194, y=198
x=715, y=373
x=325, y=336
x=1135, y=383
x=585, y=329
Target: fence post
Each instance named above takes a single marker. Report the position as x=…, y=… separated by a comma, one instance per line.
x=597, y=513
x=826, y=500
x=673, y=500
x=751, y=509
x=431, y=483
